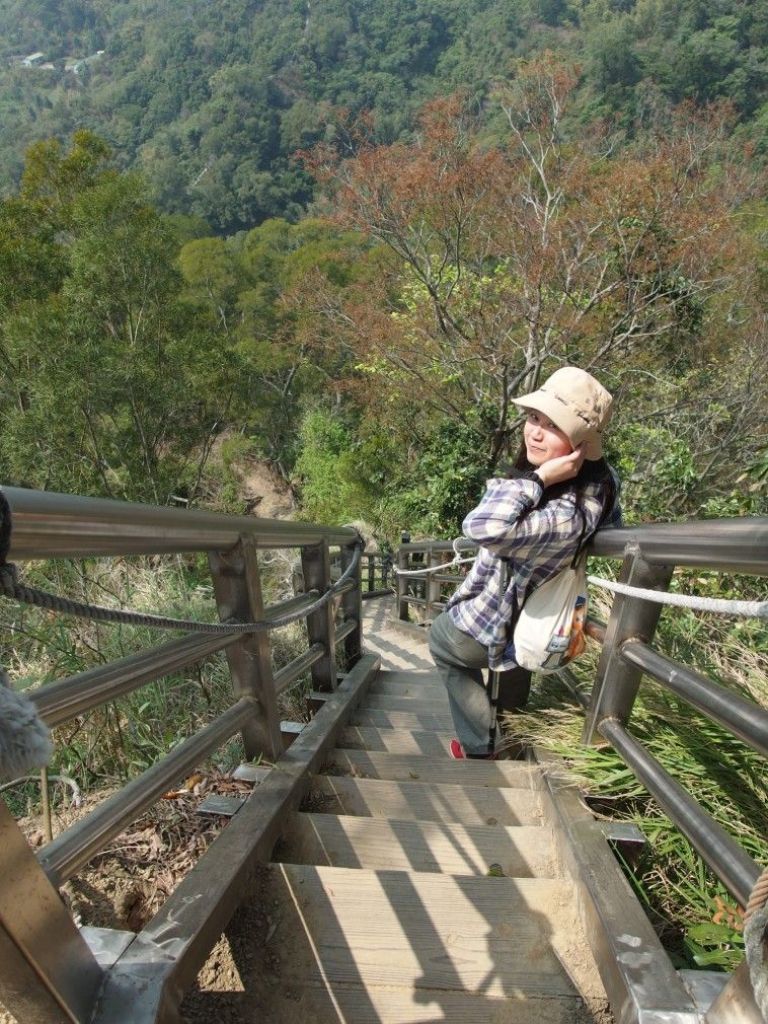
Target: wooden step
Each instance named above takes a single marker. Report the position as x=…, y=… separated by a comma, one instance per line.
x=467, y=805
x=424, y=687
x=396, y=741
x=395, y=946
x=373, y=764
x=416, y=705
x=414, y=677
x=522, y=851
x=279, y=998
x=382, y=719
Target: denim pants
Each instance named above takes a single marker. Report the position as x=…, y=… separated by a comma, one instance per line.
x=459, y=659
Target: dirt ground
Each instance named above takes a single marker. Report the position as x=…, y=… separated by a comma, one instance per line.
x=125, y=885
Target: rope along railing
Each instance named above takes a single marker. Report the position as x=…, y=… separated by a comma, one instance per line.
x=649, y=556
x=46, y=967
x=11, y=588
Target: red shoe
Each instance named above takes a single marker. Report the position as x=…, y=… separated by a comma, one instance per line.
x=456, y=750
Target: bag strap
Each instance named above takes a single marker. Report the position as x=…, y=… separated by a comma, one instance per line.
x=582, y=542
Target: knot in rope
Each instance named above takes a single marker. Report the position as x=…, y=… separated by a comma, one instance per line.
x=758, y=896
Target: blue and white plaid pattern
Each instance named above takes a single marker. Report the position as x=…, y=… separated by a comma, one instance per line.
x=537, y=543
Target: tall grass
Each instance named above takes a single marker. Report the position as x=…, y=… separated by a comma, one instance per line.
x=117, y=741
x=696, y=918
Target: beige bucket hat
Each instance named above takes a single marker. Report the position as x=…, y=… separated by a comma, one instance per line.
x=576, y=403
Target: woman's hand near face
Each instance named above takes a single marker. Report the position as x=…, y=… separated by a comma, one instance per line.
x=565, y=467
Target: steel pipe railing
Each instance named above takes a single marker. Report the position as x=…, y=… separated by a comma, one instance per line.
x=730, y=545
x=291, y=672
x=58, y=702
x=67, y=853
x=743, y=718
x=49, y=525
x=46, y=525
x=732, y=865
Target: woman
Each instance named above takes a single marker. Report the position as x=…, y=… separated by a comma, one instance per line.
x=529, y=525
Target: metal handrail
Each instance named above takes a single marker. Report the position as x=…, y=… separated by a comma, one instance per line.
x=50, y=525
x=46, y=525
x=734, y=545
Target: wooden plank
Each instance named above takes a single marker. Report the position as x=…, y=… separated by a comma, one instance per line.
x=373, y=764
x=416, y=677
x=468, y=805
x=382, y=719
x=275, y=994
x=416, y=705
x=521, y=851
x=396, y=741
x=498, y=936
x=422, y=688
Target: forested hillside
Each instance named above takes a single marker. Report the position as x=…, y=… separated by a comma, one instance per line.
x=212, y=100
x=335, y=238
x=483, y=209
x=370, y=353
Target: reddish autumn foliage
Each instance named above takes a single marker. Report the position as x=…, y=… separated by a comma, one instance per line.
x=495, y=260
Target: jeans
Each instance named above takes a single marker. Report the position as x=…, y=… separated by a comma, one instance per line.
x=460, y=659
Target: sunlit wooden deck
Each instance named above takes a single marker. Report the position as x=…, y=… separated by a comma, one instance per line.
x=413, y=888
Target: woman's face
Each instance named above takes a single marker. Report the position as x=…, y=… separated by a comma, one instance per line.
x=543, y=440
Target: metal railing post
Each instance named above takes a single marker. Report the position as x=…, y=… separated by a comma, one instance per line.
x=386, y=562
x=735, y=1004
x=432, y=588
x=616, y=681
x=402, y=585
x=237, y=586
x=316, y=565
x=371, y=572
x=49, y=974
x=352, y=605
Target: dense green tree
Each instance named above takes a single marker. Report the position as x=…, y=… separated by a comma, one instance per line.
x=212, y=101
x=109, y=384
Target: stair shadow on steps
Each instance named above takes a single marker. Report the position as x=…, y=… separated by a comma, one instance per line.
x=378, y=947
x=389, y=649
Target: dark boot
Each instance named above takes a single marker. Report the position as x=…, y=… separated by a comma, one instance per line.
x=514, y=689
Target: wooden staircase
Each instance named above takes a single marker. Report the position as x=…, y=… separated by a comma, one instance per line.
x=413, y=888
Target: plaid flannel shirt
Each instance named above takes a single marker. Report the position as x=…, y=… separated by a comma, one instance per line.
x=536, y=541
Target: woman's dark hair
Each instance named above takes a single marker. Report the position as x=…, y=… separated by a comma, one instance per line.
x=592, y=471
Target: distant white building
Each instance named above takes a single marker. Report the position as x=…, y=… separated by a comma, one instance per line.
x=76, y=64
x=33, y=59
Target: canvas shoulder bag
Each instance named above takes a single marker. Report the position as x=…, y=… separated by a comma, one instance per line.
x=549, y=631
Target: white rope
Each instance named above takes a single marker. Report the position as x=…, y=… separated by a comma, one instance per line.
x=720, y=606
x=456, y=560
x=751, y=609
